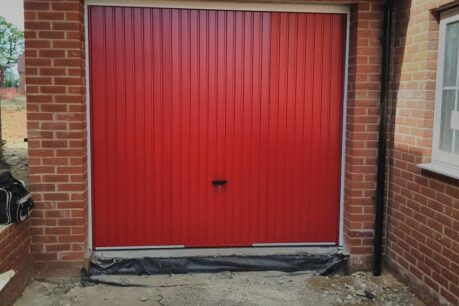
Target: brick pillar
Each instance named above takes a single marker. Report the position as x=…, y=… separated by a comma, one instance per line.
x=56, y=114
x=361, y=132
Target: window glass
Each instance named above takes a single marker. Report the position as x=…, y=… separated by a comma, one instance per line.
x=451, y=51
x=456, y=142
x=446, y=133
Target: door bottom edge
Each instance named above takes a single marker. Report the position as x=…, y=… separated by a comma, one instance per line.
x=262, y=250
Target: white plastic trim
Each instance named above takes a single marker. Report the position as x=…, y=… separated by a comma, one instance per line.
x=4, y=227
x=442, y=169
x=5, y=278
x=228, y=5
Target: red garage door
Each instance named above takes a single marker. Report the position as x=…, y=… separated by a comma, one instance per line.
x=215, y=128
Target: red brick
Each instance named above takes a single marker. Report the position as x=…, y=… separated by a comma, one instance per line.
x=38, y=25
x=51, y=34
x=66, y=26
x=38, y=44
x=52, y=71
x=36, y=5
x=66, y=6
x=51, y=53
x=53, y=89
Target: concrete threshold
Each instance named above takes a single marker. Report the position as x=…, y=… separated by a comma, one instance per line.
x=209, y=252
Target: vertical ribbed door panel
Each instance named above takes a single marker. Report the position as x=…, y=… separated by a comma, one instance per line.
x=181, y=98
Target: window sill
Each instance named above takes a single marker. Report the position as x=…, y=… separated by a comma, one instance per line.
x=5, y=278
x=440, y=169
x=4, y=227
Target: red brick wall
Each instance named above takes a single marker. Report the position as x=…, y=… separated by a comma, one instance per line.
x=55, y=68
x=361, y=132
x=57, y=131
x=423, y=209
x=14, y=255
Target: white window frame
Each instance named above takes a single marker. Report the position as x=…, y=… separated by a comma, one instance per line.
x=441, y=158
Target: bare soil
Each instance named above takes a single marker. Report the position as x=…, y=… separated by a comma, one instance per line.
x=248, y=288
x=13, y=155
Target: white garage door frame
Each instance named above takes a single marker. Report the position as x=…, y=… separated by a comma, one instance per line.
x=232, y=6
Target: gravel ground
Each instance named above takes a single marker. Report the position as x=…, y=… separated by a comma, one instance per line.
x=248, y=288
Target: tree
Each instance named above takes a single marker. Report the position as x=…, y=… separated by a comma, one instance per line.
x=10, y=79
x=11, y=45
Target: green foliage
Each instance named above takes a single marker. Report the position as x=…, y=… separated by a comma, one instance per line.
x=11, y=43
x=11, y=79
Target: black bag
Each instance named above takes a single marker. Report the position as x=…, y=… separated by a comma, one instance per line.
x=15, y=201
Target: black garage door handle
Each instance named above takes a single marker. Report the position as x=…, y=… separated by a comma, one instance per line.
x=219, y=182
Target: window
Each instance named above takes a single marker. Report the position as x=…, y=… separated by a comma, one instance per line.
x=445, y=150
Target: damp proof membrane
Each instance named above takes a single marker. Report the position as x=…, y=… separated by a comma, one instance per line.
x=322, y=264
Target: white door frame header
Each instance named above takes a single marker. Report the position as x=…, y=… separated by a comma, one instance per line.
x=228, y=6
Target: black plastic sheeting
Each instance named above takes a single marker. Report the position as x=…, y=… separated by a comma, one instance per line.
x=322, y=264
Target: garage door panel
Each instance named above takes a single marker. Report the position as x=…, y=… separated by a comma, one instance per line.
x=110, y=136
x=323, y=123
x=185, y=120
x=97, y=93
x=148, y=120
x=157, y=230
x=194, y=127
x=263, y=211
x=183, y=97
x=229, y=98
